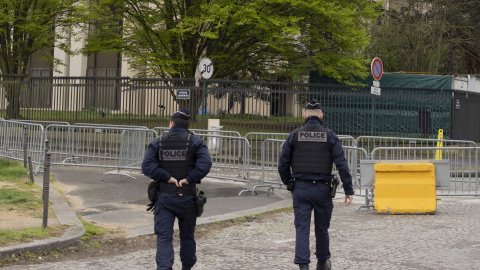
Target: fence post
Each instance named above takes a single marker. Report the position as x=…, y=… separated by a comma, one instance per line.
x=32, y=180
x=46, y=183
x=477, y=190
x=25, y=146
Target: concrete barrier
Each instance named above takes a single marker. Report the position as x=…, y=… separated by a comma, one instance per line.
x=405, y=188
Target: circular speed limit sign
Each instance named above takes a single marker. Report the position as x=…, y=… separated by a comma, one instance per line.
x=206, y=68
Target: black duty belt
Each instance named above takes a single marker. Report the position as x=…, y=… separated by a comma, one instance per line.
x=312, y=181
x=173, y=189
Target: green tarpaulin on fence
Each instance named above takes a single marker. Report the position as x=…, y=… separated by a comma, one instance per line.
x=413, y=81
x=424, y=81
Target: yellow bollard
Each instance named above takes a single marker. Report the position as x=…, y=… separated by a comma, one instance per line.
x=438, y=152
x=405, y=188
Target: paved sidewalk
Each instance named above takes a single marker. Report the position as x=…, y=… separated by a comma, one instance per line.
x=359, y=240
x=119, y=202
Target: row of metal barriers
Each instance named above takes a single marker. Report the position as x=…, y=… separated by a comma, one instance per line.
x=252, y=158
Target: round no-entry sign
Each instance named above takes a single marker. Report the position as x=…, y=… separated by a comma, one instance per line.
x=377, y=68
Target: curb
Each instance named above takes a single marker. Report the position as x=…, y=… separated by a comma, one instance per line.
x=65, y=216
x=217, y=218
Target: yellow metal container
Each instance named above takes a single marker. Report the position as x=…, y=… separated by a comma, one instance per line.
x=405, y=188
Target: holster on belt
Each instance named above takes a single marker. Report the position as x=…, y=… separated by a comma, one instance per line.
x=291, y=184
x=333, y=186
x=152, y=195
x=201, y=200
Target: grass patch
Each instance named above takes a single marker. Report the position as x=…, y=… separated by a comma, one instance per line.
x=28, y=234
x=21, y=199
x=90, y=229
x=11, y=171
x=18, y=194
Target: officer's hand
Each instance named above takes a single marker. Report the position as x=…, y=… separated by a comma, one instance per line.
x=151, y=206
x=182, y=182
x=348, y=200
x=173, y=181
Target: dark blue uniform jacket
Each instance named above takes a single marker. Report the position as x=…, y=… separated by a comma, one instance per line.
x=200, y=152
x=337, y=155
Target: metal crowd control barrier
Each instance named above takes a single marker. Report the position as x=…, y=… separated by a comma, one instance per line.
x=132, y=150
x=255, y=140
x=94, y=146
x=123, y=147
x=271, y=150
x=44, y=123
x=106, y=125
x=462, y=170
x=463, y=164
x=371, y=142
x=353, y=155
x=161, y=130
x=213, y=142
x=227, y=162
x=12, y=139
x=126, y=158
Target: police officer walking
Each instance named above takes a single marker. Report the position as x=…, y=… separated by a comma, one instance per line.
x=305, y=166
x=177, y=161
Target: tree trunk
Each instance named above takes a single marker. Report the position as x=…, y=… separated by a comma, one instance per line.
x=12, y=87
x=453, y=38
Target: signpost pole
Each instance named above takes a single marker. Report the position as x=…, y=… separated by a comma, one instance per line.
x=372, y=124
x=206, y=70
x=204, y=110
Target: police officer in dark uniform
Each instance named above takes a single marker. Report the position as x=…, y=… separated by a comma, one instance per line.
x=177, y=161
x=305, y=166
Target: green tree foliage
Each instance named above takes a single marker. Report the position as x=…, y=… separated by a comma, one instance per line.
x=439, y=36
x=26, y=27
x=464, y=35
x=29, y=26
x=244, y=39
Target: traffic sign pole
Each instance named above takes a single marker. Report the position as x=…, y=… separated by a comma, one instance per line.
x=377, y=72
x=206, y=70
x=204, y=109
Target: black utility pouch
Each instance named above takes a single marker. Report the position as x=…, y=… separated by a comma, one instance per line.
x=201, y=200
x=291, y=185
x=333, y=186
x=152, y=195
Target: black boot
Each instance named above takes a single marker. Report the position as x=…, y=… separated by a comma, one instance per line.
x=324, y=265
x=303, y=266
x=186, y=268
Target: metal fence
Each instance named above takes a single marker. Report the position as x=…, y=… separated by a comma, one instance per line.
x=371, y=142
x=98, y=146
x=463, y=164
x=252, y=159
x=271, y=150
x=19, y=140
x=242, y=106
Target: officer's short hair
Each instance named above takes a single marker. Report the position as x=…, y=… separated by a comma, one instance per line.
x=315, y=112
x=179, y=122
